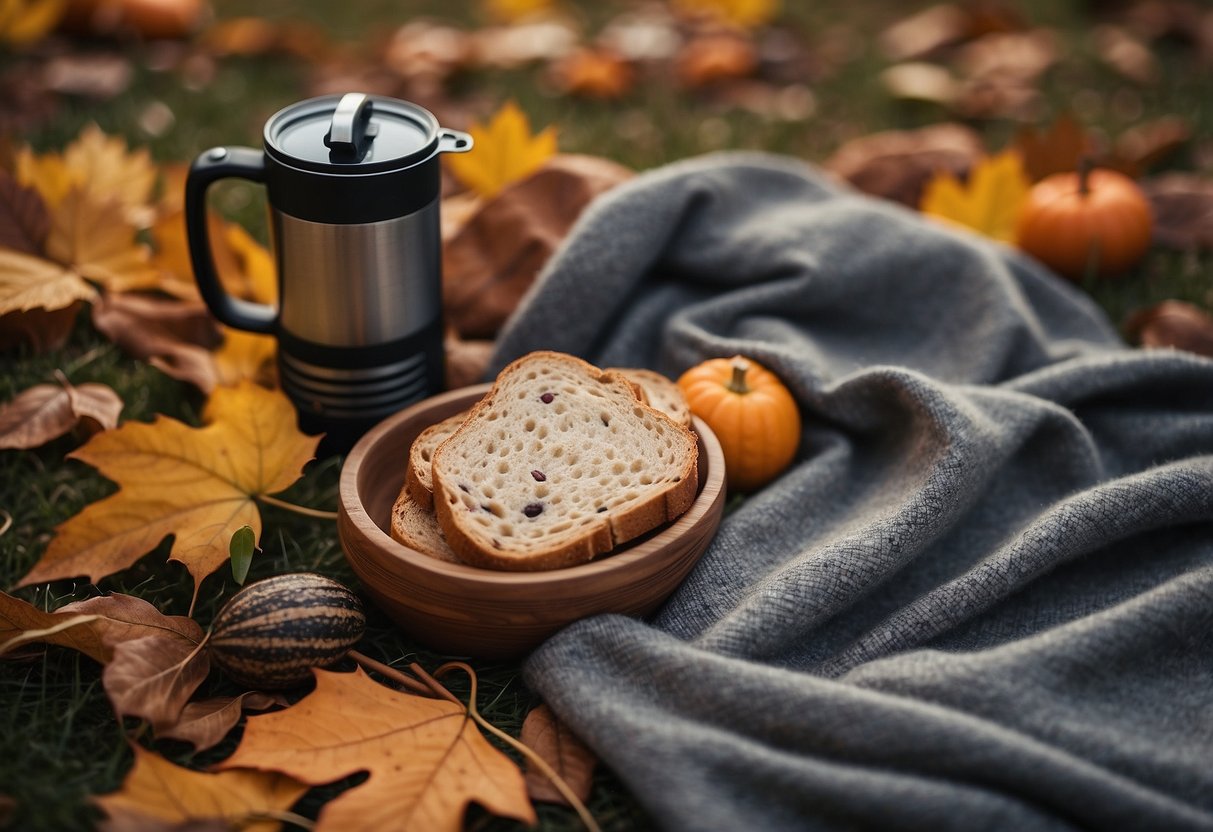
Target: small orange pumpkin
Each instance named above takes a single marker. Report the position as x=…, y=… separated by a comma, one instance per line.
x=1096, y=221
x=752, y=414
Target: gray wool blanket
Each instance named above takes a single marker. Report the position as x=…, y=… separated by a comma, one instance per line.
x=982, y=596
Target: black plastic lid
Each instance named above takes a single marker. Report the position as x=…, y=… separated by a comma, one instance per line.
x=352, y=134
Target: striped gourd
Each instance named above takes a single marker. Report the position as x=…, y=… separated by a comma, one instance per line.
x=273, y=632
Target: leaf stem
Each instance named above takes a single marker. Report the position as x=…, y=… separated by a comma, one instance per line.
x=288, y=817
x=392, y=673
x=532, y=757
x=319, y=514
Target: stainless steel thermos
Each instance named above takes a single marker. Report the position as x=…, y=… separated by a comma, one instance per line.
x=352, y=184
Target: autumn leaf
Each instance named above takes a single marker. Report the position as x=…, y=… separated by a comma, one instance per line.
x=715, y=57
x=426, y=759
x=988, y=203
x=114, y=619
x=514, y=10
x=174, y=336
x=560, y=748
x=204, y=724
x=24, y=219
x=745, y=14
x=47, y=411
x=98, y=243
x=1172, y=324
x=153, y=677
x=1059, y=149
x=594, y=73
x=505, y=151
x=26, y=21
x=102, y=168
x=157, y=790
x=197, y=484
x=28, y=282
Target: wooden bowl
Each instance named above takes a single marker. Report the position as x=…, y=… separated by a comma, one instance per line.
x=464, y=610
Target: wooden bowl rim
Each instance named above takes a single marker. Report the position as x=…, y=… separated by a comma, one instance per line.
x=351, y=504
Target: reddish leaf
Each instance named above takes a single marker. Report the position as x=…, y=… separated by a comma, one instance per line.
x=1057, y=149
x=1173, y=324
x=24, y=219
x=48, y=411
x=715, y=57
x=593, y=73
x=560, y=748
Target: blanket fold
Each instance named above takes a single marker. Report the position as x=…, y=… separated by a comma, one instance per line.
x=981, y=597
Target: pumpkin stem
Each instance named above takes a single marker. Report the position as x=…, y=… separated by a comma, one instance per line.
x=1085, y=165
x=737, y=383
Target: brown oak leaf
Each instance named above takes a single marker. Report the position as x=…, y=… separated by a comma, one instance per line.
x=153, y=677
x=897, y=164
x=48, y=411
x=205, y=723
x=114, y=619
x=560, y=748
x=1173, y=324
x=426, y=759
x=491, y=261
x=198, y=484
x=157, y=794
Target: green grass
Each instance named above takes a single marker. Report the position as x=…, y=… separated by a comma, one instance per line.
x=59, y=742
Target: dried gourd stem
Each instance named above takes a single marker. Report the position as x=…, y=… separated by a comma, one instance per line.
x=737, y=384
x=1085, y=165
x=319, y=514
x=392, y=673
x=565, y=790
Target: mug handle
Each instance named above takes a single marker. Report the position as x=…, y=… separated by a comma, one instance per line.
x=211, y=166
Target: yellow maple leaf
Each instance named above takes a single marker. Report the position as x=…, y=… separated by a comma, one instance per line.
x=98, y=243
x=245, y=355
x=426, y=758
x=988, y=203
x=28, y=282
x=505, y=151
x=197, y=484
x=745, y=14
x=27, y=21
x=101, y=167
x=512, y=11
x=157, y=790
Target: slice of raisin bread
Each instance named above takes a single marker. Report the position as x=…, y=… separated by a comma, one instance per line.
x=560, y=462
x=417, y=478
x=660, y=392
x=416, y=527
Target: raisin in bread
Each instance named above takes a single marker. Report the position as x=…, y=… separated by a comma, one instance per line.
x=416, y=527
x=558, y=463
x=660, y=392
x=417, y=478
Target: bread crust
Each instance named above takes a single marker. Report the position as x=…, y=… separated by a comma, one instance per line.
x=473, y=540
x=417, y=478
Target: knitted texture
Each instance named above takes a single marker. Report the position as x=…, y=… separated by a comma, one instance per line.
x=980, y=598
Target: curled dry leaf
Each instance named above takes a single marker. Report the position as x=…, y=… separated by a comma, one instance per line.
x=157, y=791
x=153, y=677
x=493, y=259
x=48, y=411
x=715, y=57
x=560, y=748
x=1183, y=211
x=593, y=73
x=174, y=336
x=197, y=484
x=204, y=724
x=115, y=619
x=425, y=50
x=1173, y=324
x=897, y=164
x=426, y=759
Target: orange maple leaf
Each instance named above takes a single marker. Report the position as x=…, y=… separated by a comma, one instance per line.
x=198, y=484
x=158, y=794
x=745, y=14
x=505, y=151
x=426, y=758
